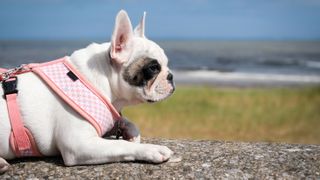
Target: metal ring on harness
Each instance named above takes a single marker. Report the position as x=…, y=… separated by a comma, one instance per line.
x=8, y=74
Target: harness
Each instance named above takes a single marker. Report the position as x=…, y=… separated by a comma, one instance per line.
x=69, y=85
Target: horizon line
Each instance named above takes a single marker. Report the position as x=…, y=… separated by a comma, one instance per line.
x=102, y=39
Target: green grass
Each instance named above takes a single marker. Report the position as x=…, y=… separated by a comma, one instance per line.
x=271, y=114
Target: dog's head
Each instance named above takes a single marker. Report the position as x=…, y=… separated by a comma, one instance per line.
x=141, y=65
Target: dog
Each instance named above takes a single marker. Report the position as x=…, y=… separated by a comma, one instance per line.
x=129, y=70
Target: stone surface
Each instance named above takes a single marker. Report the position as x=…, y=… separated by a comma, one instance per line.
x=193, y=160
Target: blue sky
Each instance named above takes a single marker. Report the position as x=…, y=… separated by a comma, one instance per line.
x=166, y=19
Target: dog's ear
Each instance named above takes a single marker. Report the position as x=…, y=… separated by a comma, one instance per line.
x=139, y=30
x=121, y=38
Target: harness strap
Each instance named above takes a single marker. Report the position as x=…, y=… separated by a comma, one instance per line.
x=69, y=84
x=22, y=140
x=19, y=134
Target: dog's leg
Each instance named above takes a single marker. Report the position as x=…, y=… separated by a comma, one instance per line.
x=130, y=131
x=125, y=129
x=4, y=165
x=97, y=150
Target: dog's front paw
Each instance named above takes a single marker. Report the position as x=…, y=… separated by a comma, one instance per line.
x=154, y=153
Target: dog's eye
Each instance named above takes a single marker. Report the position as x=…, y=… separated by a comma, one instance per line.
x=154, y=68
x=135, y=78
x=150, y=70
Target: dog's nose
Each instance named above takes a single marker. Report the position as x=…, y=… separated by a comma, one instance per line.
x=170, y=77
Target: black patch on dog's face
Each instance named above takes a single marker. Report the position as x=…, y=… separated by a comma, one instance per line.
x=141, y=71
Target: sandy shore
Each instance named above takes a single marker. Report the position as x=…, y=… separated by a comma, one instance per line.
x=238, y=79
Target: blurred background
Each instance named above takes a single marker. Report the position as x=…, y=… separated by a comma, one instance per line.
x=245, y=70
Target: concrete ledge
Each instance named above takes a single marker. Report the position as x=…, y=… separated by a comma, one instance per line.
x=199, y=159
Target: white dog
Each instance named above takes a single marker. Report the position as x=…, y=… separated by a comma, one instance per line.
x=129, y=70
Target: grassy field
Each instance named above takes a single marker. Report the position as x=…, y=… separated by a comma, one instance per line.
x=251, y=114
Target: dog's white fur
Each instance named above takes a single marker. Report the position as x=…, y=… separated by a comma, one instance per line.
x=58, y=129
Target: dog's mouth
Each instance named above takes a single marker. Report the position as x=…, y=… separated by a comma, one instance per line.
x=158, y=100
x=161, y=96
x=151, y=101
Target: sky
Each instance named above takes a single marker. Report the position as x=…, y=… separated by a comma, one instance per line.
x=166, y=19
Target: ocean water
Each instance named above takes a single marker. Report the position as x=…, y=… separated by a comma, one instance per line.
x=292, y=58
x=246, y=56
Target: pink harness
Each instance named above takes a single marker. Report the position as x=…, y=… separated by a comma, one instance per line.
x=71, y=86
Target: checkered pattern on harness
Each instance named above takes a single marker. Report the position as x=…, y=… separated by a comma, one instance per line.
x=80, y=94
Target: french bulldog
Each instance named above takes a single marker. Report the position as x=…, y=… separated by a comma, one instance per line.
x=129, y=70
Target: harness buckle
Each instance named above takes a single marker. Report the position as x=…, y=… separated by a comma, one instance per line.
x=10, y=86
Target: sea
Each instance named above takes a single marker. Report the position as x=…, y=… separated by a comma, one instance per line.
x=238, y=63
